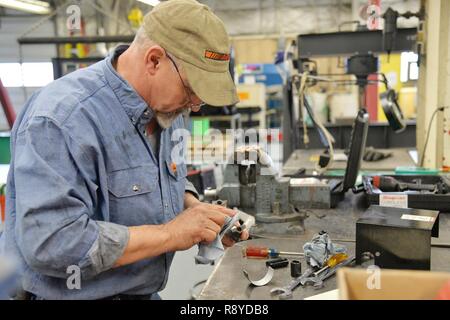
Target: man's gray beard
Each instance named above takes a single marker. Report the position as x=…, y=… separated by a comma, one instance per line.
x=165, y=121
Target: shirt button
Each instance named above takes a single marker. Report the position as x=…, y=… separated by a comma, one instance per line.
x=147, y=113
x=166, y=205
x=136, y=188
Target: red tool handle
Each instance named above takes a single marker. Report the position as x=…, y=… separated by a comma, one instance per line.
x=256, y=252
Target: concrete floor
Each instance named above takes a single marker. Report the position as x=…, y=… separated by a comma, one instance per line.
x=184, y=274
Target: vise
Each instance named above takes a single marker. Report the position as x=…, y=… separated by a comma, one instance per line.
x=252, y=184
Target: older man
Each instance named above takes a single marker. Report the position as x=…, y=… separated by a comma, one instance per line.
x=92, y=184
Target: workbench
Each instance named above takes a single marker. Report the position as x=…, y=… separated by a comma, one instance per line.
x=227, y=281
x=308, y=158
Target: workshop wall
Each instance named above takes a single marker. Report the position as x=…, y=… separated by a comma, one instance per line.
x=261, y=28
x=282, y=17
x=255, y=51
x=12, y=28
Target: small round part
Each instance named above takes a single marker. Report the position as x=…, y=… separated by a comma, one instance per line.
x=296, y=269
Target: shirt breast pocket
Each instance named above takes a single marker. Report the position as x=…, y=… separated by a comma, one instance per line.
x=134, y=197
x=177, y=181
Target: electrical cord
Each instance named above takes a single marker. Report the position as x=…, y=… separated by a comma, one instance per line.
x=330, y=141
x=385, y=80
x=301, y=94
x=422, y=158
x=303, y=103
x=287, y=60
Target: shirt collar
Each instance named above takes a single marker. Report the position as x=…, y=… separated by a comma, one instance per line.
x=135, y=107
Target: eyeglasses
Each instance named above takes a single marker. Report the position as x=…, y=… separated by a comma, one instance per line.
x=190, y=104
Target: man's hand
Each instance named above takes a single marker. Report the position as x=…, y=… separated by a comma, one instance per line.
x=200, y=223
x=191, y=201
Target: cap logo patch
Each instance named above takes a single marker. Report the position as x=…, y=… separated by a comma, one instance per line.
x=216, y=56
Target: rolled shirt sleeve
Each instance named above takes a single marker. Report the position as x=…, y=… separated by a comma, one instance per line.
x=107, y=248
x=191, y=189
x=57, y=204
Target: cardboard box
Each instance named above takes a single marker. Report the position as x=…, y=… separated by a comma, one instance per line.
x=354, y=284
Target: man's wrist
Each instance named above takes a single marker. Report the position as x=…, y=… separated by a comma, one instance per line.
x=190, y=200
x=169, y=239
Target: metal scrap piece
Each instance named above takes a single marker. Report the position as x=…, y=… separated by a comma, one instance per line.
x=264, y=280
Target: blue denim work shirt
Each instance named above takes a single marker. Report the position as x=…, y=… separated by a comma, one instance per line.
x=82, y=171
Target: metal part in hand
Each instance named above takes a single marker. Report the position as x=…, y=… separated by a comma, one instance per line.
x=246, y=221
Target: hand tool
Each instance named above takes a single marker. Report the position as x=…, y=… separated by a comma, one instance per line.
x=333, y=261
x=308, y=276
x=317, y=280
x=286, y=292
x=265, y=252
x=390, y=184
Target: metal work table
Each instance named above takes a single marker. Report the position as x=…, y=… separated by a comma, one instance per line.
x=228, y=281
x=307, y=158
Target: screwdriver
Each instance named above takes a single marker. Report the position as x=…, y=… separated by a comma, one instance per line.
x=332, y=262
x=265, y=252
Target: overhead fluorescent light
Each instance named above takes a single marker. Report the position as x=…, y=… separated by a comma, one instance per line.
x=150, y=2
x=32, y=6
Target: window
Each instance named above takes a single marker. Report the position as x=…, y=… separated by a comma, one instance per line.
x=37, y=74
x=29, y=74
x=11, y=74
x=409, y=68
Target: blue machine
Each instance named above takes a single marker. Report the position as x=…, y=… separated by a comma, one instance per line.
x=266, y=73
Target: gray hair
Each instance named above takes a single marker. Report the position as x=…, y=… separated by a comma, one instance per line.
x=142, y=40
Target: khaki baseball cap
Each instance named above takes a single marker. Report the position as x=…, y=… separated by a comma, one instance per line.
x=198, y=39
